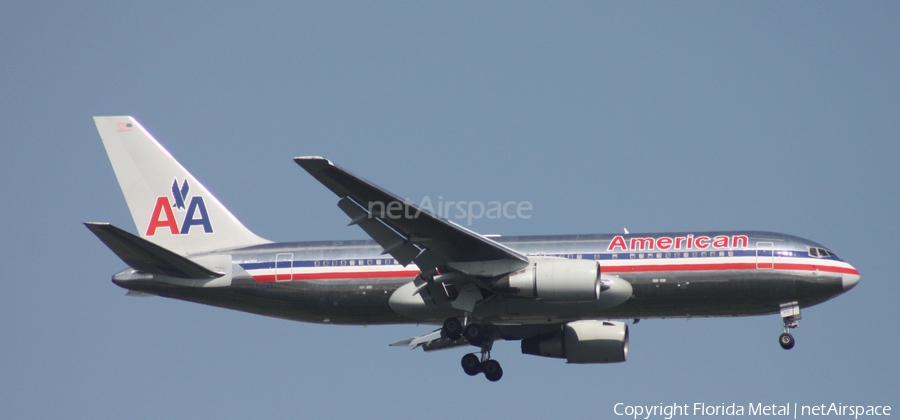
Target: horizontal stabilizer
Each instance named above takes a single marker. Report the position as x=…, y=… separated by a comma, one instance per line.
x=143, y=255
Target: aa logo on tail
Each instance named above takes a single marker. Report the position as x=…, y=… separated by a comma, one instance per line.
x=164, y=217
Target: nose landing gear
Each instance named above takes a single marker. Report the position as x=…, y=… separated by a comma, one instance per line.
x=790, y=314
x=786, y=340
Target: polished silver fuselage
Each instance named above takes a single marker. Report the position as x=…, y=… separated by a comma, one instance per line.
x=350, y=282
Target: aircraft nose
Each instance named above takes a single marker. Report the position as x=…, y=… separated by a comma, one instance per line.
x=850, y=279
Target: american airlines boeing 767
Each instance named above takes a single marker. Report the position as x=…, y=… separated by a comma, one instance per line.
x=562, y=296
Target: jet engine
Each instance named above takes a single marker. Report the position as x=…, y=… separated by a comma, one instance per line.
x=583, y=342
x=554, y=279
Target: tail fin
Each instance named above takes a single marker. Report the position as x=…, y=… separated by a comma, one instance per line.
x=169, y=206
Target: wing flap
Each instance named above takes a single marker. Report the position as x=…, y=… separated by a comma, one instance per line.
x=431, y=342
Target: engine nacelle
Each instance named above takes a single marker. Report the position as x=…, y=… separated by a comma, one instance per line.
x=554, y=279
x=583, y=342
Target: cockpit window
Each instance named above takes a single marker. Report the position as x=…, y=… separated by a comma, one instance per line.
x=820, y=253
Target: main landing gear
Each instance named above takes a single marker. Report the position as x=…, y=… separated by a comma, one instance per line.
x=476, y=335
x=452, y=329
x=474, y=365
x=790, y=314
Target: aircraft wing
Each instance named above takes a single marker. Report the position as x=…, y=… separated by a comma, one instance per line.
x=409, y=233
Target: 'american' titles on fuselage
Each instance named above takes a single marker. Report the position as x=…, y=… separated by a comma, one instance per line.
x=687, y=242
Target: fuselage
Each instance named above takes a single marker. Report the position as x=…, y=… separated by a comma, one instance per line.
x=699, y=274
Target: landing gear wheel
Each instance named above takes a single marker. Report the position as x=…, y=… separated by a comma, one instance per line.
x=787, y=341
x=452, y=329
x=492, y=370
x=474, y=334
x=471, y=365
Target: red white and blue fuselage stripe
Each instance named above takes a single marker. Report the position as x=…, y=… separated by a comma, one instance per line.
x=611, y=263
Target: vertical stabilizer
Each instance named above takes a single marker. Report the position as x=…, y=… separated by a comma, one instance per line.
x=169, y=206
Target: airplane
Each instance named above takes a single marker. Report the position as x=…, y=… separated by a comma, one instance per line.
x=562, y=296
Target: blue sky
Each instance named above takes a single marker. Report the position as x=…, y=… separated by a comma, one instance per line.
x=651, y=116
